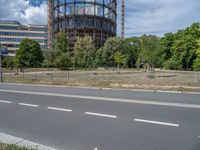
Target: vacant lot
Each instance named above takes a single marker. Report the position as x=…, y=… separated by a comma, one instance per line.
x=127, y=78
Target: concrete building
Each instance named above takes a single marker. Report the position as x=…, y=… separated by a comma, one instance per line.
x=13, y=32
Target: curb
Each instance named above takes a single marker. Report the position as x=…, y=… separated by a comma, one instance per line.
x=99, y=88
x=9, y=139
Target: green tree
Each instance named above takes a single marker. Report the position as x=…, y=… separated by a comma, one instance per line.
x=84, y=53
x=119, y=59
x=61, y=42
x=196, y=64
x=63, y=61
x=183, y=48
x=167, y=43
x=111, y=46
x=98, y=58
x=8, y=62
x=49, y=56
x=29, y=54
x=184, y=52
x=131, y=51
x=150, y=50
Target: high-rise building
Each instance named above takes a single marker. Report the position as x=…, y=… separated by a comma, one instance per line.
x=13, y=32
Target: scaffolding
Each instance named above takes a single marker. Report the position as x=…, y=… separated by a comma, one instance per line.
x=96, y=18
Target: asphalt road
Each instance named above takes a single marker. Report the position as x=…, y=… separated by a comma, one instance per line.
x=95, y=119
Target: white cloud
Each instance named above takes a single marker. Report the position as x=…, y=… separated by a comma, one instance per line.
x=160, y=16
x=142, y=16
x=23, y=11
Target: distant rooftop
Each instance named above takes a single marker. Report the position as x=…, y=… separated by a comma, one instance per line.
x=9, y=22
x=13, y=22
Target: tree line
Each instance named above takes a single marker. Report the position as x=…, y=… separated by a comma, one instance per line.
x=180, y=51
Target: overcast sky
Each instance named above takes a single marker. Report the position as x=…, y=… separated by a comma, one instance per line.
x=142, y=16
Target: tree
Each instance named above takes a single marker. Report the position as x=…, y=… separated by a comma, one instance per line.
x=184, y=52
x=60, y=55
x=49, y=56
x=150, y=50
x=63, y=61
x=98, y=58
x=84, y=53
x=119, y=59
x=29, y=54
x=131, y=51
x=182, y=49
x=61, y=42
x=167, y=43
x=196, y=64
x=111, y=46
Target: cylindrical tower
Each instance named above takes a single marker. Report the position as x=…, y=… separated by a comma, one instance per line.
x=96, y=18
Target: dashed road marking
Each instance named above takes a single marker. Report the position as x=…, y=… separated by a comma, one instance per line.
x=60, y=109
x=156, y=122
x=101, y=115
x=29, y=105
x=198, y=136
x=7, y=102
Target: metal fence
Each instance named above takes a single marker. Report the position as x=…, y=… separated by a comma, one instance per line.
x=135, y=77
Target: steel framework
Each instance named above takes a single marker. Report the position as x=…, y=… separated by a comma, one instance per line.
x=96, y=18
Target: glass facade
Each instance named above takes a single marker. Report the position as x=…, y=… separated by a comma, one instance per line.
x=12, y=33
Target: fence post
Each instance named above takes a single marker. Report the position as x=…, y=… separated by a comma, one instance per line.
x=68, y=75
x=36, y=73
x=195, y=77
x=52, y=74
x=23, y=73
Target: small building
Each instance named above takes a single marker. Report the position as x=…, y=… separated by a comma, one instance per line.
x=13, y=32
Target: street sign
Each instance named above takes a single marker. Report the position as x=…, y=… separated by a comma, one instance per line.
x=4, y=51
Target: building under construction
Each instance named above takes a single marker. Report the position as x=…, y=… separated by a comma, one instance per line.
x=96, y=18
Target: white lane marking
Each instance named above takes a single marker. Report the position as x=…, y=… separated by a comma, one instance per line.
x=198, y=136
x=60, y=109
x=156, y=122
x=7, y=102
x=146, y=102
x=95, y=148
x=102, y=115
x=29, y=105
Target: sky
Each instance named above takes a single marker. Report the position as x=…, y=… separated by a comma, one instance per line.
x=155, y=17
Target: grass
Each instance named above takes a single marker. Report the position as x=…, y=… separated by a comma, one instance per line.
x=13, y=147
x=128, y=78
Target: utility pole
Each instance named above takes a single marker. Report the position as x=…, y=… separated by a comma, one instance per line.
x=122, y=17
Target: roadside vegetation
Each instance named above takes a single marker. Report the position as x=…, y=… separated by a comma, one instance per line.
x=176, y=51
x=13, y=147
x=120, y=63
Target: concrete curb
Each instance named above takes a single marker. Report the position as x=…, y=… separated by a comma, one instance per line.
x=99, y=88
x=9, y=139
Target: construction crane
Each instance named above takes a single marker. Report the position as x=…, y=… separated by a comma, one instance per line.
x=50, y=24
x=122, y=17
